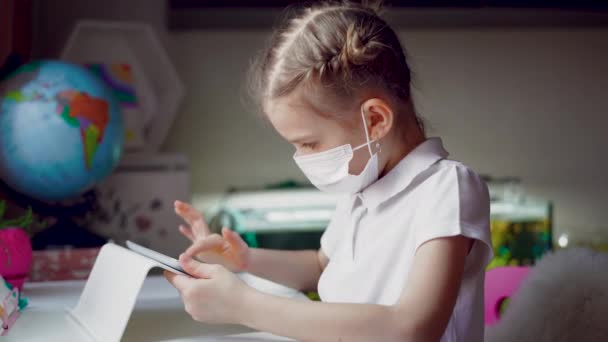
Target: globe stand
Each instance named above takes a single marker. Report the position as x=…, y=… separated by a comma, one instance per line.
x=65, y=231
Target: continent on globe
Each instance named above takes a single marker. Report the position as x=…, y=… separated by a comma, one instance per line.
x=15, y=95
x=91, y=114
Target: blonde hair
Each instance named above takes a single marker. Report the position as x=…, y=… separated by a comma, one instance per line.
x=342, y=46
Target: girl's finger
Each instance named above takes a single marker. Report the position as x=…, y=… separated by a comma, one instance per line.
x=200, y=228
x=193, y=217
x=188, y=213
x=201, y=245
x=187, y=232
x=233, y=238
x=196, y=268
x=180, y=282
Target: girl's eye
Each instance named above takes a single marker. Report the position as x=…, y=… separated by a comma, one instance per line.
x=309, y=146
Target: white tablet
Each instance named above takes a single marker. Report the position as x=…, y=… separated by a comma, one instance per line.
x=156, y=256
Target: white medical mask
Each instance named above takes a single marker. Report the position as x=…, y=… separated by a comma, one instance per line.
x=328, y=170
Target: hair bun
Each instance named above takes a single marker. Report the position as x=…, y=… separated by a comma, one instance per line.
x=360, y=47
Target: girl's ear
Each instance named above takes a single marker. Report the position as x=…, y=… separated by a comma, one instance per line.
x=379, y=117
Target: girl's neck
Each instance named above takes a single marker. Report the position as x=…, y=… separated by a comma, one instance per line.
x=402, y=147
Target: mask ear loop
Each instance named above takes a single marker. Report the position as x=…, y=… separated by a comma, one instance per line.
x=369, y=143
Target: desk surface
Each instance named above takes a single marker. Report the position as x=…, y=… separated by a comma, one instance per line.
x=158, y=315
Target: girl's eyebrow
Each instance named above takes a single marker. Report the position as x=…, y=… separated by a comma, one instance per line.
x=299, y=139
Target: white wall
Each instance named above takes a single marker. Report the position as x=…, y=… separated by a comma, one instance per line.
x=520, y=102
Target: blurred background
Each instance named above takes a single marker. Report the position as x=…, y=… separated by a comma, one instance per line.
x=516, y=90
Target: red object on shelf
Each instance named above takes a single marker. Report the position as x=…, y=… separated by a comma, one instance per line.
x=63, y=264
x=15, y=255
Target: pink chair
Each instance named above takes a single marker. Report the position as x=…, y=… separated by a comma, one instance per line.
x=500, y=284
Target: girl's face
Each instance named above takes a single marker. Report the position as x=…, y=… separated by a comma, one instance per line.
x=316, y=128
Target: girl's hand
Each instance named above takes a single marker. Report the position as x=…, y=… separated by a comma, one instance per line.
x=227, y=249
x=215, y=297
x=197, y=228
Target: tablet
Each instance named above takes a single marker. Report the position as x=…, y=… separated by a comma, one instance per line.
x=156, y=256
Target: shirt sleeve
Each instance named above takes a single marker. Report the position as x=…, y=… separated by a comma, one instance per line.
x=456, y=203
x=335, y=228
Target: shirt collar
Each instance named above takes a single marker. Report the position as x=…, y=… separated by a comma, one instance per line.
x=397, y=179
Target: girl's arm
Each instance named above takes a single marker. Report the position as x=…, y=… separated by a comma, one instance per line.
x=421, y=313
x=296, y=269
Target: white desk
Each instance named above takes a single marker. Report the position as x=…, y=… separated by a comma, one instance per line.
x=158, y=315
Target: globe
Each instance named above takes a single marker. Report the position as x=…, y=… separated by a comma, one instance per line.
x=61, y=130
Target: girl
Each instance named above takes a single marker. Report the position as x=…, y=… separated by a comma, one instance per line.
x=403, y=258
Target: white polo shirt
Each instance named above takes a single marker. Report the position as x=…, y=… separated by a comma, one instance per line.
x=373, y=236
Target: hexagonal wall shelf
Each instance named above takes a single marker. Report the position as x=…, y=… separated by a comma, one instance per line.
x=130, y=58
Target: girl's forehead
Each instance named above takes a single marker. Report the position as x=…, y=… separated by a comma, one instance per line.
x=287, y=114
x=294, y=115
x=295, y=100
